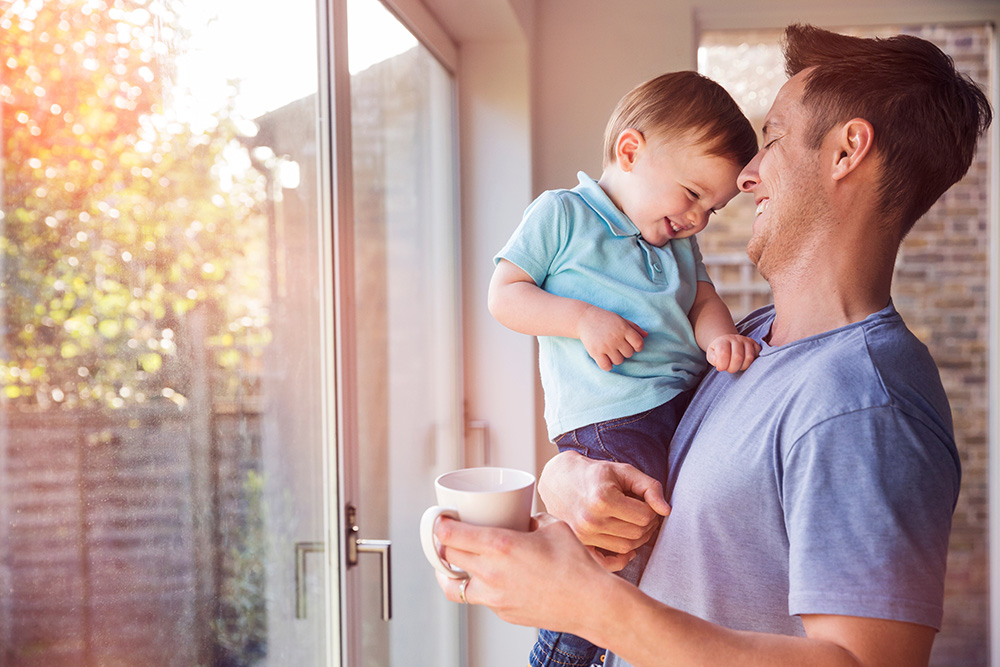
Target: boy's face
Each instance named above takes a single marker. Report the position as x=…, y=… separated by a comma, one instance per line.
x=672, y=187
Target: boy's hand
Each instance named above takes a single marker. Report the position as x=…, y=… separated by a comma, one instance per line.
x=732, y=352
x=609, y=338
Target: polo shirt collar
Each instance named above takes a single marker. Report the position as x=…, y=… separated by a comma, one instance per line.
x=617, y=222
x=598, y=199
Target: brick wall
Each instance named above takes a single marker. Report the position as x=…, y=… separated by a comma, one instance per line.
x=98, y=561
x=110, y=554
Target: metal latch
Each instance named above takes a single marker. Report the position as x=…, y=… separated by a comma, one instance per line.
x=357, y=545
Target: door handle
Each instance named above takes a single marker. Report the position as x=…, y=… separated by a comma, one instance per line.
x=384, y=549
x=301, y=549
x=357, y=545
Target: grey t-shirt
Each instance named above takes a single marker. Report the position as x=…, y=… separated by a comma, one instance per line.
x=822, y=480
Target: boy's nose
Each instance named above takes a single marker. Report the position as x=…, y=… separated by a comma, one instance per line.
x=697, y=216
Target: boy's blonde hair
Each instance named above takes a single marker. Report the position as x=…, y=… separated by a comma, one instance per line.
x=679, y=103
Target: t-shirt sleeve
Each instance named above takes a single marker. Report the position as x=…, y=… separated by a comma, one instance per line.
x=537, y=240
x=701, y=273
x=868, y=499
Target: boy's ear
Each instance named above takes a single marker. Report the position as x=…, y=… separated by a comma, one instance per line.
x=853, y=142
x=627, y=148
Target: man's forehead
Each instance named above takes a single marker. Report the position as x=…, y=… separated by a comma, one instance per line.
x=786, y=99
x=774, y=120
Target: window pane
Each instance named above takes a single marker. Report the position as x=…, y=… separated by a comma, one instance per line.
x=159, y=373
x=406, y=277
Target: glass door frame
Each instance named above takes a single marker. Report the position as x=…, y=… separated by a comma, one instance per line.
x=335, y=206
x=340, y=430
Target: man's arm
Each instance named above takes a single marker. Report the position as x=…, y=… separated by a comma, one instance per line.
x=511, y=573
x=647, y=633
x=516, y=302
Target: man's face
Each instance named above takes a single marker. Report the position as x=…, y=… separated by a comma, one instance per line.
x=784, y=178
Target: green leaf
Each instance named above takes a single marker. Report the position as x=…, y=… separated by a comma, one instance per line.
x=151, y=362
x=109, y=328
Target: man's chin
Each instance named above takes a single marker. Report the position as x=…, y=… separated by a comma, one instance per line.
x=754, y=252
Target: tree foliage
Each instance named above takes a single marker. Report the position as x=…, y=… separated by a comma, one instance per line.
x=119, y=219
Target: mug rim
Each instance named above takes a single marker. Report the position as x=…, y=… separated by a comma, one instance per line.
x=527, y=478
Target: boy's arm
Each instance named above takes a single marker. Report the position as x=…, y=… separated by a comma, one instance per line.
x=519, y=304
x=516, y=302
x=715, y=332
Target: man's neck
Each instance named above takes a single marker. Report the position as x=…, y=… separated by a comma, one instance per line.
x=825, y=295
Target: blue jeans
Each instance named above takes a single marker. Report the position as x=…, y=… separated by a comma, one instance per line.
x=640, y=440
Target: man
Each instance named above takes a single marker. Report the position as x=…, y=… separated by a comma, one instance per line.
x=811, y=495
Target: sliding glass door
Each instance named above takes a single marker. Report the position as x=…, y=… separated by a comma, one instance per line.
x=405, y=325
x=161, y=419
x=229, y=334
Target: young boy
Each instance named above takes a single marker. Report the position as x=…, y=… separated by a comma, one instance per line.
x=608, y=275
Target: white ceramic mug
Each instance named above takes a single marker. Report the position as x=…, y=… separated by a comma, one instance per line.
x=499, y=497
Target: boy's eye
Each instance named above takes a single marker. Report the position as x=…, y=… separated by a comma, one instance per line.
x=694, y=195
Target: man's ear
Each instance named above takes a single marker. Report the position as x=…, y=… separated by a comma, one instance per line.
x=853, y=142
x=630, y=141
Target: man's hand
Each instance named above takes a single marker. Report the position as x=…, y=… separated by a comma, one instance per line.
x=732, y=352
x=608, y=505
x=609, y=338
x=512, y=573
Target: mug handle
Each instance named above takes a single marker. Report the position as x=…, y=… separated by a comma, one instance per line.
x=430, y=543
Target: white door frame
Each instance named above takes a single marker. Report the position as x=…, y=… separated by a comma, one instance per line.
x=335, y=189
x=337, y=295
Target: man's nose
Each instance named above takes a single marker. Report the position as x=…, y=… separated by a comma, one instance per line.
x=749, y=178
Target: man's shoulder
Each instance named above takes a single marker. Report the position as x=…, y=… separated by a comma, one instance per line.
x=874, y=364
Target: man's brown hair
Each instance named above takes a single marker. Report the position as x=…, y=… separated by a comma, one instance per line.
x=680, y=103
x=926, y=116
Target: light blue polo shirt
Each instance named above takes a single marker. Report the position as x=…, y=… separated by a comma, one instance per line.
x=578, y=244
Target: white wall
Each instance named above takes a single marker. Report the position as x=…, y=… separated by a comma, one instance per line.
x=588, y=53
x=495, y=160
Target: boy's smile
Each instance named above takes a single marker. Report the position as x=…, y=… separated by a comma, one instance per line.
x=668, y=186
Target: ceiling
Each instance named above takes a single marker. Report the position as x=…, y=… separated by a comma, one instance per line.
x=478, y=20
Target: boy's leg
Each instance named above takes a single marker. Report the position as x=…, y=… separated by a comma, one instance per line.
x=642, y=441
x=559, y=649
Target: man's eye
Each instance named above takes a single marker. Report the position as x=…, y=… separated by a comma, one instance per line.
x=771, y=142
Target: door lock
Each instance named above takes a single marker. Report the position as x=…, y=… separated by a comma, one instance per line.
x=357, y=545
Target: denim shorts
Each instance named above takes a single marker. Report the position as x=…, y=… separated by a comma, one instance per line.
x=641, y=440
